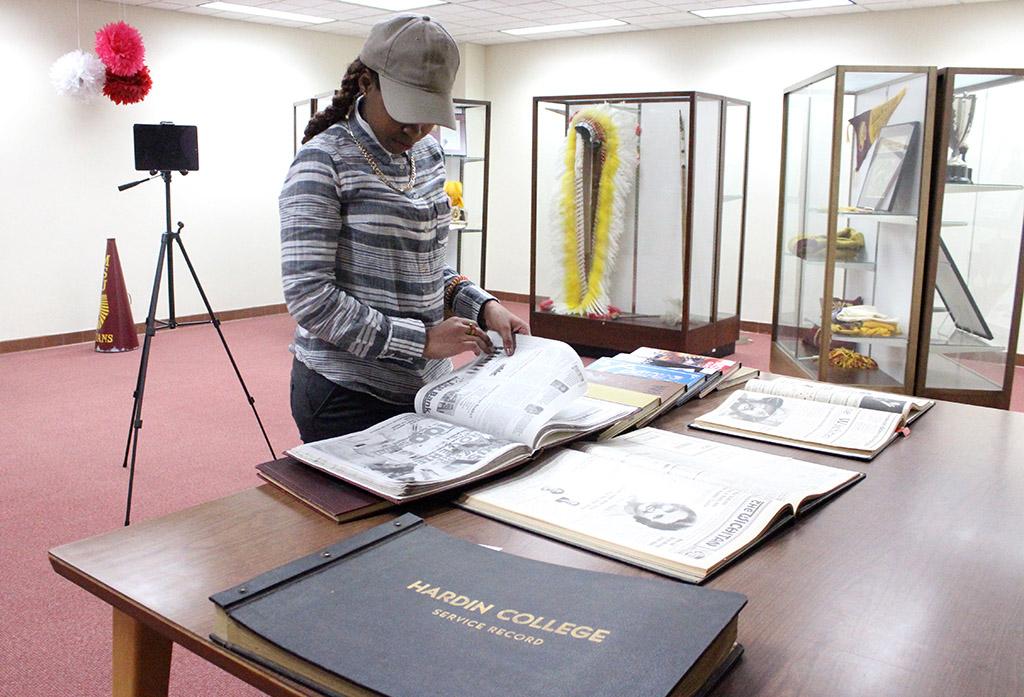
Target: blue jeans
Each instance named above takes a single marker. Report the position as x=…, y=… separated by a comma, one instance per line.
x=323, y=409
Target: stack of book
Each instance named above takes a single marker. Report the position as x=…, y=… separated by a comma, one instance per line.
x=487, y=417
x=656, y=380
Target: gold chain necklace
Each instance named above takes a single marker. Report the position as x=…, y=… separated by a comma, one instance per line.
x=376, y=167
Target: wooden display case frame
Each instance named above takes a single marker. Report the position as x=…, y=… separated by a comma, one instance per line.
x=780, y=361
x=999, y=399
x=603, y=336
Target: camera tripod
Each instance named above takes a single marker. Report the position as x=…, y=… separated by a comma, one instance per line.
x=167, y=242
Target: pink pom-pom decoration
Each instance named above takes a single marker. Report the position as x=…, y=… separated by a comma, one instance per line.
x=128, y=90
x=119, y=46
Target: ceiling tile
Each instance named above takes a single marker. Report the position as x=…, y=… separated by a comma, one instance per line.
x=478, y=21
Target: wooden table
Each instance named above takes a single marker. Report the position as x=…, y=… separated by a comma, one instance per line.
x=910, y=583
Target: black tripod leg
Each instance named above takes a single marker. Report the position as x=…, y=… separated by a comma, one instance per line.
x=216, y=324
x=140, y=382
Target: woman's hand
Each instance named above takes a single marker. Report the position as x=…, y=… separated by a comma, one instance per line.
x=498, y=318
x=455, y=335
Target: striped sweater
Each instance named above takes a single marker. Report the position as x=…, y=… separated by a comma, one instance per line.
x=363, y=266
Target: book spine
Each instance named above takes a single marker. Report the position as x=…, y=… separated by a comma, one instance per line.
x=275, y=667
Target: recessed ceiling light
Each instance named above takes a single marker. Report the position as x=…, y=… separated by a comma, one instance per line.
x=261, y=12
x=395, y=5
x=545, y=28
x=771, y=7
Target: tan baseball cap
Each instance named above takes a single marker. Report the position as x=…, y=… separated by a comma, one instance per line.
x=416, y=59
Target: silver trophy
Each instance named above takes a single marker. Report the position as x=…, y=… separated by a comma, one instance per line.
x=962, y=117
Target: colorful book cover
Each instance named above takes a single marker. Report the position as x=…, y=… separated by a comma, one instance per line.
x=647, y=370
x=687, y=361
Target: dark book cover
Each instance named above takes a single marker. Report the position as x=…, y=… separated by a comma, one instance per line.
x=405, y=610
x=329, y=495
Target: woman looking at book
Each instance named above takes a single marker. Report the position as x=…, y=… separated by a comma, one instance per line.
x=364, y=226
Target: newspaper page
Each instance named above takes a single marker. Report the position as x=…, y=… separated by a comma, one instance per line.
x=407, y=454
x=676, y=455
x=844, y=429
x=837, y=394
x=671, y=523
x=511, y=397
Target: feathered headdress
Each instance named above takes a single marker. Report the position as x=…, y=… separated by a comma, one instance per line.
x=583, y=286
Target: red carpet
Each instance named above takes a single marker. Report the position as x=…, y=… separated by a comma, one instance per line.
x=65, y=421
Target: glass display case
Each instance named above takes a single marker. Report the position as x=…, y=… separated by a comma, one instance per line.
x=638, y=214
x=853, y=214
x=972, y=298
x=466, y=150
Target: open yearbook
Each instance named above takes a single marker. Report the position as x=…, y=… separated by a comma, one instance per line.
x=492, y=413
x=815, y=416
x=679, y=505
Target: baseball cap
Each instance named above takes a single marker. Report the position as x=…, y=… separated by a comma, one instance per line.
x=416, y=59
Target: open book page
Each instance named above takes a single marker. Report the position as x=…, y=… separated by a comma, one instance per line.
x=836, y=428
x=511, y=397
x=582, y=416
x=839, y=394
x=680, y=526
x=674, y=454
x=409, y=454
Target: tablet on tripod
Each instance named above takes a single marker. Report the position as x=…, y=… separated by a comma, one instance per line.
x=164, y=147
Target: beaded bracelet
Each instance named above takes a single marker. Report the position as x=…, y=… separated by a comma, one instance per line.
x=451, y=287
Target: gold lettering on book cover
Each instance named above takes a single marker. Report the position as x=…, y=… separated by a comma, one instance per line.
x=512, y=616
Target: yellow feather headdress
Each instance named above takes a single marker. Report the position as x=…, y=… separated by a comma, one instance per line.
x=583, y=286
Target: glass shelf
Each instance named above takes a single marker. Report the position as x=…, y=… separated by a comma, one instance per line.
x=899, y=218
x=857, y=265
x=956, y=188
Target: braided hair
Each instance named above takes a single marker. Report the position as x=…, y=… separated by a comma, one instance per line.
x=342, y=103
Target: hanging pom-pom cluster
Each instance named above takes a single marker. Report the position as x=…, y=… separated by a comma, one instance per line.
x=120, y=71
x=119, y=46
x=78, y=74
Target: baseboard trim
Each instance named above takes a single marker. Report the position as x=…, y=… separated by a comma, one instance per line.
x=38, y=342
x=88, y=335
x=511, y=297
x=755, y=327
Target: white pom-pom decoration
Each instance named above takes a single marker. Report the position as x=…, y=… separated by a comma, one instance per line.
x=78, y=74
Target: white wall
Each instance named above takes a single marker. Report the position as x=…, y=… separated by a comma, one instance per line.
x=63, y=160
x=755, y=61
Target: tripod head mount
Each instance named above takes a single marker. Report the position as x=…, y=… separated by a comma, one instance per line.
x=153, y=174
